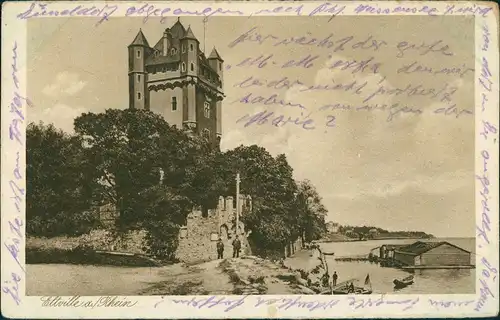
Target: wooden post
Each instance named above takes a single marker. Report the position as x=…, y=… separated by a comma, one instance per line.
x=237, y=203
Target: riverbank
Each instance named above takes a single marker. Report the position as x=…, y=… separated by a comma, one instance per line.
x=298, y=274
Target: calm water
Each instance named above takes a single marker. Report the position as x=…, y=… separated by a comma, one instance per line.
x=446, y=281
x=61, y=279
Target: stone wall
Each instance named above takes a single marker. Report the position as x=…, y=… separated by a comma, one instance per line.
x=197, y=240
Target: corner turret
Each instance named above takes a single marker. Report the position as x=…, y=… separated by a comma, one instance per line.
x=138, y=51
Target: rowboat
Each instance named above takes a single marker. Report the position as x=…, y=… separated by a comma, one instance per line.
x=346, y=288
x=401, y=283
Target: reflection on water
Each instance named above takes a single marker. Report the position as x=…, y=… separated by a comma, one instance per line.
x=440, y=281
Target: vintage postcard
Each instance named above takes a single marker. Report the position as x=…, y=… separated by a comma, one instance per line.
x=188, y=160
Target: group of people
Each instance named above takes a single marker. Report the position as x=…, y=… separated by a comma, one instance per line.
x=335, y=277
x=236, y=248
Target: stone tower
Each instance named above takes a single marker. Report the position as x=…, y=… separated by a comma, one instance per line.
x=174, y=78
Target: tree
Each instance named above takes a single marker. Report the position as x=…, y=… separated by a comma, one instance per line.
x=59, y=196
x=311, y=212
x=270, y=183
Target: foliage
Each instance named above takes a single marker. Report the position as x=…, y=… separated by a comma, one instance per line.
x=154, y=174
x=59, y=189
x=311, y=212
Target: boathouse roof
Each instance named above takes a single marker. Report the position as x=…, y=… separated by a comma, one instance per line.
x=420, y=247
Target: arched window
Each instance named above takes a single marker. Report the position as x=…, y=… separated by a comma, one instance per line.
x=139, y=96
x=206, y=109
x=173, y=51
x=192, y=66
x=138, y=53
x=138, y=78
x=191, y=47
x=183, y=67
x=183, y=48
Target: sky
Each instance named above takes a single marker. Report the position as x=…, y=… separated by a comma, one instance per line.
x=415, y=172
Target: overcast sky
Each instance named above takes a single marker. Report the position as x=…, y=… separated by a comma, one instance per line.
x=412, y=173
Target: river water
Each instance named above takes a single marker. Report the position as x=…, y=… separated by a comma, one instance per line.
x=63, y=279
x=445, y=281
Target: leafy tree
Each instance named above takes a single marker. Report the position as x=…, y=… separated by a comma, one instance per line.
x=270, y=183
x=59, y=192
x=311, y=212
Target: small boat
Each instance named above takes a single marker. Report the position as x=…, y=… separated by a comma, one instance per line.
x=401, y=283
x=328, y=253
x=346, y=288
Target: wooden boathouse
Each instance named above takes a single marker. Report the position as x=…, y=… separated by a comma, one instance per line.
x=432, y=255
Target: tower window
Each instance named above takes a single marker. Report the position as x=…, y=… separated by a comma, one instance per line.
x=220, y=66
x=138, y=78
x=173, y=51
x=138, y=53
x=139, y=96
x=174, y=103
x=192, y=66
x=206, y=109
x=191, y=47
x=183, y=48
x=183, y=67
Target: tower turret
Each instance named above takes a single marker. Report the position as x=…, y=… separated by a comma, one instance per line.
x=216, y=63
x=189, y=67
x=137, y=53
x=190, y=53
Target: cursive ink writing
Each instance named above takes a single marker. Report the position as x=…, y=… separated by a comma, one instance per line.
x=375, y=9
x=360, y=303
x=43, y=10
x=327, y=7
x=449, y=303
x=452, y=110
x=416, y=67
x=484, y=228
x=488, y=272
x=442, y=94
x=392, y=110
x=254, y=36
x=485, y=75
x=474, y=10
x=298, y=302
x=487, y=129
x=424, y=48
x=11, y=287
x=150, y=10
x=230, y=303
x=281, y=83
x=273, y=99
x=356, y=66
x=486, y=38
x=277, y=120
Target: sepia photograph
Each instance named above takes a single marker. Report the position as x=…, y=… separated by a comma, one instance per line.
x=179, y=158
x=249, y=160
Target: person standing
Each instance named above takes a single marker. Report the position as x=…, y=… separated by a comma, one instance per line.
x=334, y=278
x=236, y=247
x=220, y=249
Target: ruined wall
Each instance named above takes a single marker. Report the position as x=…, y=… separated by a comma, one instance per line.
x=197, y=240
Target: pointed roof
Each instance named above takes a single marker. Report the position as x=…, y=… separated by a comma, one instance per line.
x=189, y=34
x=215, y=55
x=178, y=30
x=140, y=40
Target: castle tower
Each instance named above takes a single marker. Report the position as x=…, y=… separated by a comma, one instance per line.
x=216, y=62
x=176, y=80
x=137, y=53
